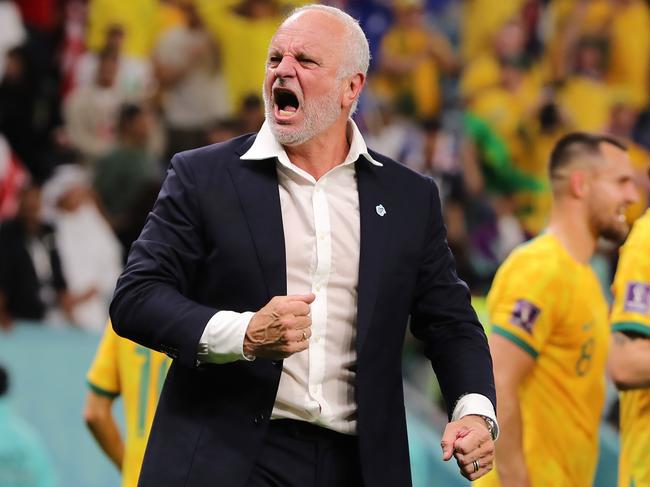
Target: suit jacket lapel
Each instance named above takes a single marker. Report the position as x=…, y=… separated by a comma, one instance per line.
x=374, y=235
x=256, y=183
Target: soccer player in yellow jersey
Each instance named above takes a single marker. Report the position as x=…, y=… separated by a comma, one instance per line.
x=630, y=354
x=550, y=332
x=122, y=367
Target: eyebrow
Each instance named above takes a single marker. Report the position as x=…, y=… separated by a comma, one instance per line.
x=299, y=56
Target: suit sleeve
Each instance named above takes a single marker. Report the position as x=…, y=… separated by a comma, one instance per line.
x=443, y=318
x=152, y=303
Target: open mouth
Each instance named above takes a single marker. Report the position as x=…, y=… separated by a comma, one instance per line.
x=286, y=102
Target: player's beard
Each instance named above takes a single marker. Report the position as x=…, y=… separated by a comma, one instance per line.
x=612, y=230
x=318, y=115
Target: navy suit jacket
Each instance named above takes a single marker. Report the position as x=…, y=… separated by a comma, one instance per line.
x=214, y=241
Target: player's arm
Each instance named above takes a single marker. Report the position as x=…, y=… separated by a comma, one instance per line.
x=511, y=366
x=629, y=360
x=99, y=418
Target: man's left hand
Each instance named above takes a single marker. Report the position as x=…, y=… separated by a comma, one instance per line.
x=469, y=440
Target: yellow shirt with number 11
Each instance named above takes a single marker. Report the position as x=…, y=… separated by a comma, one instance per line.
x=122, y=367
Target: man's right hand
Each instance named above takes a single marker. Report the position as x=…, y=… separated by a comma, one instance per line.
x=281, y=328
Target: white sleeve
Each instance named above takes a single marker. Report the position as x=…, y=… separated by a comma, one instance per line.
x=476, y=404
x=223, y=338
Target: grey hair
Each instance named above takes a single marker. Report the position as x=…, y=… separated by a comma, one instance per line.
x=357, y=59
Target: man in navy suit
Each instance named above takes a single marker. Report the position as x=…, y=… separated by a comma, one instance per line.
x=279, y=271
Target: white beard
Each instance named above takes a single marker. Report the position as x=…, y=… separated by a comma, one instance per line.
x=318, y=114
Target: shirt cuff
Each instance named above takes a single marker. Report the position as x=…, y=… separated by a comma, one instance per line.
x=222, y=340
x=476, y=404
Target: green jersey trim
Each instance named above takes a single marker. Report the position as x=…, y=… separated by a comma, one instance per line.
x=516, y=340
x=102, y=392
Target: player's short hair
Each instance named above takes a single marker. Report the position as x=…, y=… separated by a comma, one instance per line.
x=578, y=146
x=4, y=381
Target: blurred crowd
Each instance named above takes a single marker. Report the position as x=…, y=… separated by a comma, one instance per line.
x=97, y=95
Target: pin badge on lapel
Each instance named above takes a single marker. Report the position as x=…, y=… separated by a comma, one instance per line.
x=381, y=211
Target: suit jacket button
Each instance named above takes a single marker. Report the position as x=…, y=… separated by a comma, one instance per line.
x=277, y=363
x=259, y=419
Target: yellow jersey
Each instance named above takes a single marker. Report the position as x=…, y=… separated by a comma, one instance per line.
x=122, y=367
x=631, y=313
x=136, y=17
x=551, y=306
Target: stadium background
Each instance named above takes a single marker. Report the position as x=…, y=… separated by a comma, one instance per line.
x=473, y=93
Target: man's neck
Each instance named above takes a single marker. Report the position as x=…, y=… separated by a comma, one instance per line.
x=320, y=154
x=573, y=231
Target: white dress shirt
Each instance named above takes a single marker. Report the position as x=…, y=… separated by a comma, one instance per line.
x=322, y=239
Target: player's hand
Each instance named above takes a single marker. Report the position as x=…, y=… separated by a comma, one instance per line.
x=470, y=442
x=281, y=328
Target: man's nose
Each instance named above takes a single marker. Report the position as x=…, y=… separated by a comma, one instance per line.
x=286, y=68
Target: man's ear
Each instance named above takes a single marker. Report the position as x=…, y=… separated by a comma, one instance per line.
x=578, y=183
x=353, y=89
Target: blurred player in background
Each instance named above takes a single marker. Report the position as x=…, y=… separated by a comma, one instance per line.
x=24, y=460
x=122, y=367
x=549, y=322
x=630, y=354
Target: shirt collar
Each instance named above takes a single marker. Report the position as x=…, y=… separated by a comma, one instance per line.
x=266, y=146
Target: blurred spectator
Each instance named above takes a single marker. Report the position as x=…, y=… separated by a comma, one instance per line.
x=642, y=128
x=628, y=67
x=17, y=107
x=481, y=19
x=91, y=255
x=134, y=78
x=12, y=30
x=193, y=92
x=251, y=114
x=242, y=29
x=24, y=462
x=543, y=129
x=12, y=177
x=91, y=111
x=412, y=59
x=583, y=93
x=32, y=286
x=484, y=71
x=137, y=18
x=127, y=178
x=223, y=130
x=171, y=14
x=390, y=133
x=374, y=16
x=506, y=106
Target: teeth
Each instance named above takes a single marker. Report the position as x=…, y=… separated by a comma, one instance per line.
x=285, y=113
x=621, y=218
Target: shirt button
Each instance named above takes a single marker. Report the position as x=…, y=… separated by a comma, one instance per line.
x=317, y=288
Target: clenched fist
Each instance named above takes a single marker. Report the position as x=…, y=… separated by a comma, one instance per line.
x=281, y=328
